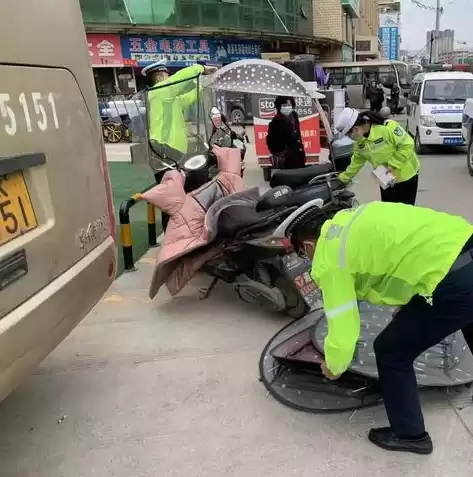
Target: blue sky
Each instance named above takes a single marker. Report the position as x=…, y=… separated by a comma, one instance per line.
x=416, y=21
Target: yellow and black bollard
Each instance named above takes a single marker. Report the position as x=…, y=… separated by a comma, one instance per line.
x=125, y=231
x=152, y=242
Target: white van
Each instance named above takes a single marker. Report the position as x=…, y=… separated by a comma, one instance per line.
x=435, y=108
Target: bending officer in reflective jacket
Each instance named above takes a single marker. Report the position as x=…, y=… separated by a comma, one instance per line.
x=399, y=255
x=381, y=142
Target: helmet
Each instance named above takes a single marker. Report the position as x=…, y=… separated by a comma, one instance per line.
x=155, y=67
x=346, y=120
x=385, y=112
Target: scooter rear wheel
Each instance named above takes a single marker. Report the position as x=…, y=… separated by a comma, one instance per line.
x=296, y=307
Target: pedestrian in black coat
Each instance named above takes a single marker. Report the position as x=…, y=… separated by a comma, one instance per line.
x=284, y=138
x=375, y=95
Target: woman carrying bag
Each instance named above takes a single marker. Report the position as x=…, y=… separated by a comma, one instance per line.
x=387, y=147
x=284, y=139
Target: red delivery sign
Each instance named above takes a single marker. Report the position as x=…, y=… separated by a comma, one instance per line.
x=309, y=121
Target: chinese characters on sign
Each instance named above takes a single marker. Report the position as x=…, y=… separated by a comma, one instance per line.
x=105, y=50
x=149, y=49
x=239, y=51
x=185, y=51
x=308, y=120
x=389, y=38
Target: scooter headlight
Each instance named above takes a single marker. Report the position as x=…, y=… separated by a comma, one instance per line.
x=196, y=162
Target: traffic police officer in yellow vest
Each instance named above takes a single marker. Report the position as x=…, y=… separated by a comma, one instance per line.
x=381, y=142
x=168, y=100
x=404, y=256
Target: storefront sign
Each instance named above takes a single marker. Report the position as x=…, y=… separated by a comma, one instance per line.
x=277, y=57
x=105, y=50
x=389, y=38
x=264, y=111
x=227, y=51
x=180, y=52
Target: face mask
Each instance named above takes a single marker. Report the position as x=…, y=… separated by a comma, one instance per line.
x=356, y=134
x=286, y=110
x=308, y=249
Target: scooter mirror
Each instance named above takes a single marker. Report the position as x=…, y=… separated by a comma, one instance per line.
x=216, y=117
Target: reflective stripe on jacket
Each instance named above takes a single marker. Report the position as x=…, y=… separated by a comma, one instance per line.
x=383, y=253
x=387, y=144
x=167, y=104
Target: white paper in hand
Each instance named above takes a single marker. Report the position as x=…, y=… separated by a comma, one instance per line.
x=384, y=177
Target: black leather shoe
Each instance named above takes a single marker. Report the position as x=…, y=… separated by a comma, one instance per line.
x=385, y=438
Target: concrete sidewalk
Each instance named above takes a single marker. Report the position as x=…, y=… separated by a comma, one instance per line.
x=170, y=388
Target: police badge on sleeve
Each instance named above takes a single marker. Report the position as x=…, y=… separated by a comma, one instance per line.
x=398, y=131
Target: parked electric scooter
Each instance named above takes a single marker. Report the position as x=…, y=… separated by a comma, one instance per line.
x=233, y=238
x=242, y=239
x=258, y=257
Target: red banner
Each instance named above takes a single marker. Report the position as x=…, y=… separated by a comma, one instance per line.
x=105, y=50
x=309, y=124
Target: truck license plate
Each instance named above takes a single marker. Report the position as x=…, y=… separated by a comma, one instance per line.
x=16, y=210
x=453, y=141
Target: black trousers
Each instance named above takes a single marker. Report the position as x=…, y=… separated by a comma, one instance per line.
x=417, y=327
x=403, y=192
x=164, y=217
x=376, y=106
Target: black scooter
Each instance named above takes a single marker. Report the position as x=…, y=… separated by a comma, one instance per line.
x=340, y=150
x=258, y=258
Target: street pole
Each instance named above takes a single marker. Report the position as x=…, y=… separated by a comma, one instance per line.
x=438, y=10
x=431, y=49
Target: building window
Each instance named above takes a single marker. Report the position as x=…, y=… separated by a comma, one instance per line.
x=363, y=45
x=348, y=29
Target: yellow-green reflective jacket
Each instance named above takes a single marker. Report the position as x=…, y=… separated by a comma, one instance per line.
x=167, y=105
x=388, y=145
x=383, y=253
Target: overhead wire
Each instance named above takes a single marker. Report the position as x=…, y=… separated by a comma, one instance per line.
x=419, y=4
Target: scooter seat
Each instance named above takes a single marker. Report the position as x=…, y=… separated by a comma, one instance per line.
x=274, y=198
x=297, y=177
x=237, y=220
x=310, y=192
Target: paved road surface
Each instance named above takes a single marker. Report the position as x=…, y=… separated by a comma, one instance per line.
x=170, y=389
